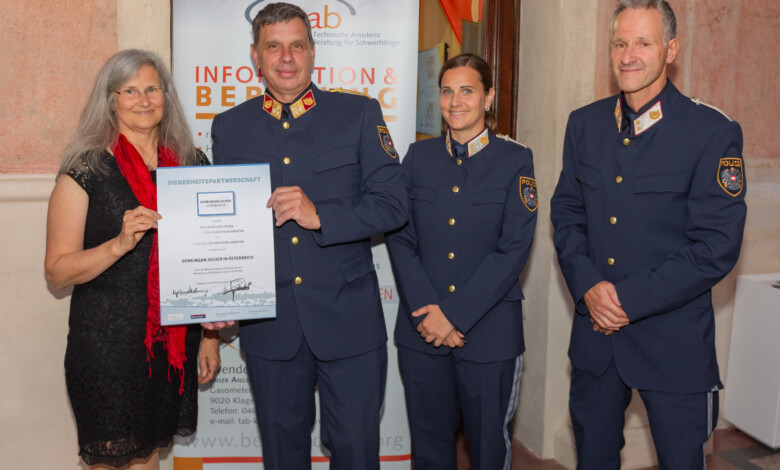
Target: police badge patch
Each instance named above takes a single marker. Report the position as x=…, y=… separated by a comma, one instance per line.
x=731, y=176
x=528, y=193
x=387, y=142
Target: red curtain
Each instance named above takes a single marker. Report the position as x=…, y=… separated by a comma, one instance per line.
x=457, y=10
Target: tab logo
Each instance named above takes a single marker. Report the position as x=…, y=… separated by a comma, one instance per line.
x=326, y=19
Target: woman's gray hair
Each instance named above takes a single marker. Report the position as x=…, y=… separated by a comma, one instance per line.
x=668, y=20
x=98, y=129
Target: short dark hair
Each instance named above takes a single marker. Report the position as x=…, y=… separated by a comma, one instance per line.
x=280, y=13
x=668, y=20
x=477, y=63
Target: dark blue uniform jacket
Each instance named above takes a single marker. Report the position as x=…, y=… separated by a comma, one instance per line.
x=469, y=231
x=339, y=152
x=659, y=212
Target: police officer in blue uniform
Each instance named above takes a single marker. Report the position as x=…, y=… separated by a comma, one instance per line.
x=648, y=216
x=336, y=182
x=460, y=326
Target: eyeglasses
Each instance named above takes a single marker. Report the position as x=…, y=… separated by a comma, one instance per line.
x=134, y=94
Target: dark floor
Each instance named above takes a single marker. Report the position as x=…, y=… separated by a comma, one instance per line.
x=733, y=450
x=522, y=458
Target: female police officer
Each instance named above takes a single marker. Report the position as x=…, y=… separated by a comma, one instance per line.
x=457, y=261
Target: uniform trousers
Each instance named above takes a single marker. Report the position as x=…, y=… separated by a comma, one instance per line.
x=680, y=423
x=351, y=395
x=441, y=389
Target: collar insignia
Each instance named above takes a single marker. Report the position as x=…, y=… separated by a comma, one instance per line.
x=298, y=108
x=305, y=103
x=474, y=145
x=272, y=107
x=648, y=119
x=618, y=114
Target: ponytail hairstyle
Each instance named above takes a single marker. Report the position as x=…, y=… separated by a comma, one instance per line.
x=485, y=76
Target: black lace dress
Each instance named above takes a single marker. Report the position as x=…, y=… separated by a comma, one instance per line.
x=121, y=412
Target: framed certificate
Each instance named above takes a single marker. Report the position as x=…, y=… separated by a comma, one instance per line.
x=216, y=244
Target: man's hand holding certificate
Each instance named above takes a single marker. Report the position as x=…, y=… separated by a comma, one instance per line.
x=216, y=244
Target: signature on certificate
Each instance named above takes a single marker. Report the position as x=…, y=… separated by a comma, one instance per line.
x=236, y=285
x=189, y=291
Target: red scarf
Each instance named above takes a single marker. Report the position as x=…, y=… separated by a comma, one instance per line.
x=138, y=177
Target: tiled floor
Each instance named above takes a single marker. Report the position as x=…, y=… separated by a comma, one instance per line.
x=522, y=458
x=733, y=450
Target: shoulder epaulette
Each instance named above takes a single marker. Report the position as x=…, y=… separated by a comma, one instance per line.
x=509, y=139
x=702, y=103
x=351, y=92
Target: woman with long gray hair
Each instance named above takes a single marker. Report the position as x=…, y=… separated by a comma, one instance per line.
x=131, y=382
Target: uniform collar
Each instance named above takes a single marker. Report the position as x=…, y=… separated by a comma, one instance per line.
x=648, y=116
x=296, y=109
x=472, y=147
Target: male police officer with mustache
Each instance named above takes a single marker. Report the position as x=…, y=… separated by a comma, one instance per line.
x=336, y=182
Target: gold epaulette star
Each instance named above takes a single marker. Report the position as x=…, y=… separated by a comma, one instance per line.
x=351, y=92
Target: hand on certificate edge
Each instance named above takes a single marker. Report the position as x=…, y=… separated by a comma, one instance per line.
x=291, y=203
x=606, y=313
x=435, y=328
x=217, y=325
x=135, y=224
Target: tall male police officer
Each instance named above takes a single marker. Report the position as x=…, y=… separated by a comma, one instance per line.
x=336, y=181
x=648, y=216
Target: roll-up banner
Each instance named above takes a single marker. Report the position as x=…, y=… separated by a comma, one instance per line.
x=363, y=45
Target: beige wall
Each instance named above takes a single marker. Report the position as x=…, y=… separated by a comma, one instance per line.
x=564, y=64
x=551, y=84
x=50, y=58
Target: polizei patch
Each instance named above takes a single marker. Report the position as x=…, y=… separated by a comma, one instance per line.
x=730, y=175
x=528, y=193
x=387, y=142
